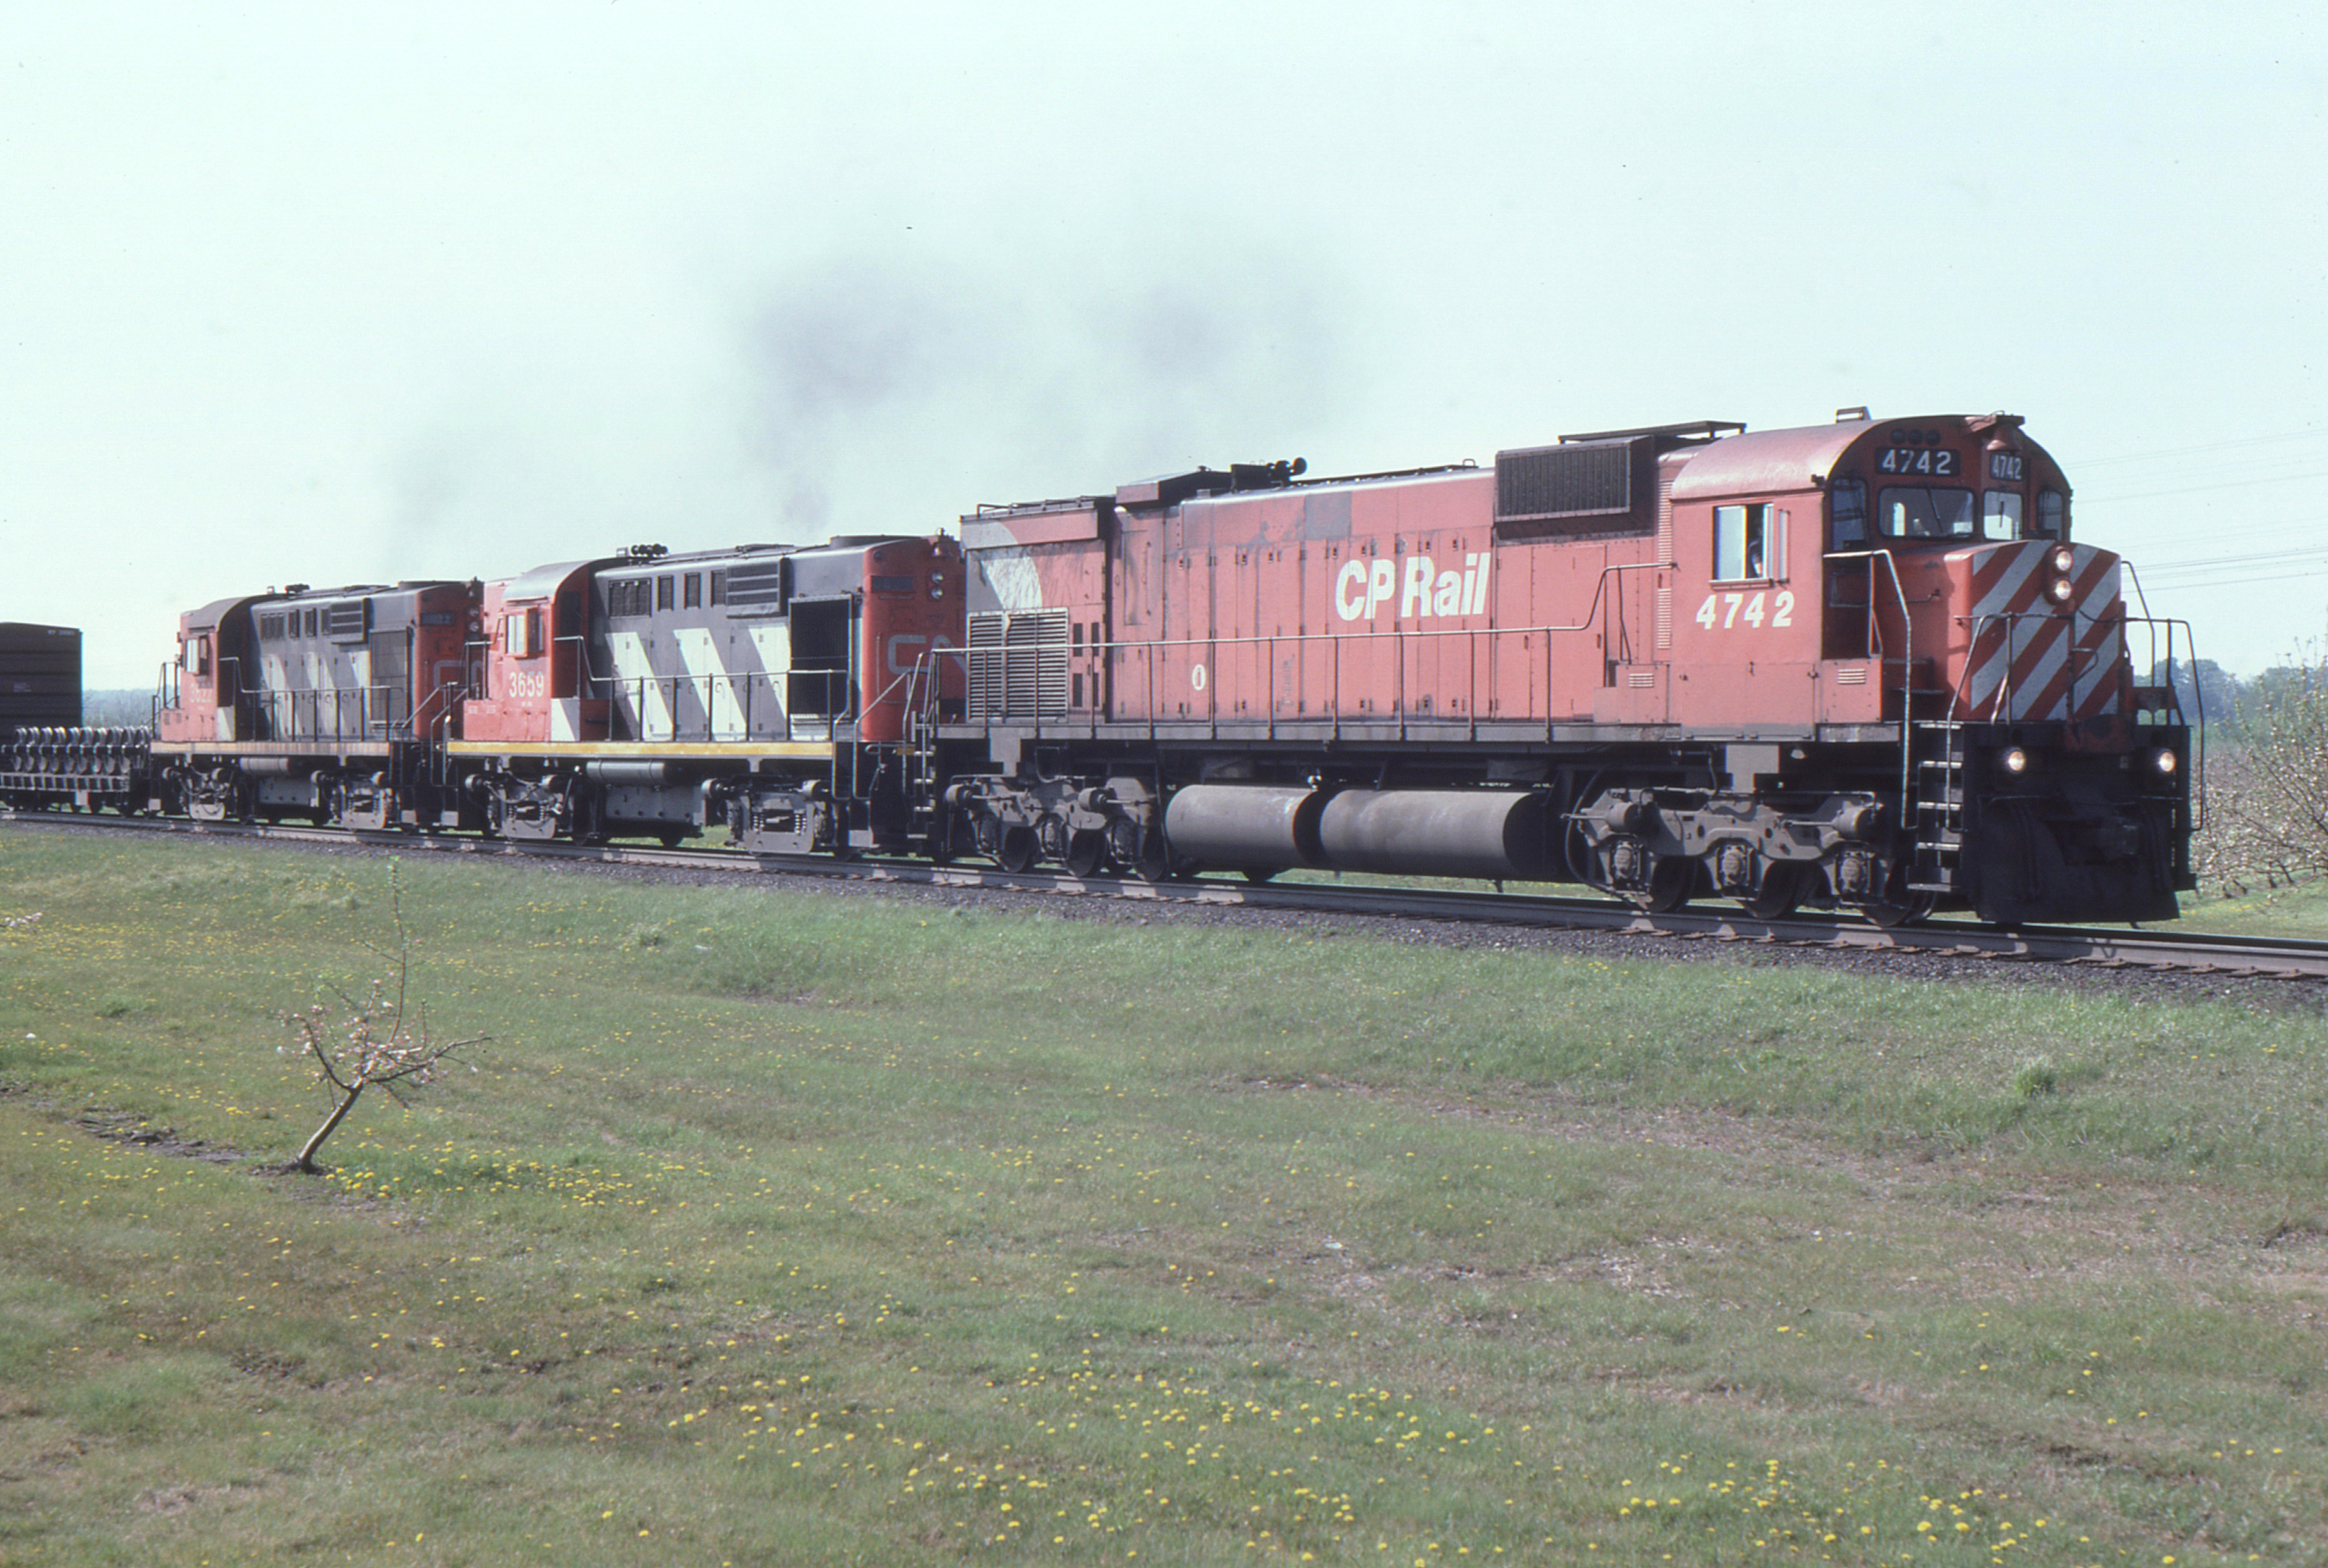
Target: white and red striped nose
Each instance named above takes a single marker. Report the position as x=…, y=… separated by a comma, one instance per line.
x=2047, y=633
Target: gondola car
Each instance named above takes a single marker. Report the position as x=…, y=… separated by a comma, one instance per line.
x=46, y=759
x=40, y=676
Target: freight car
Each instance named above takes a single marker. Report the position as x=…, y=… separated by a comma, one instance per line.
x=46, y=759
x=40, y=676
x=1862, y=665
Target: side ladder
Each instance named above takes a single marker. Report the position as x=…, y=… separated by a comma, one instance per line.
x=924, y=812
x=1938, y=809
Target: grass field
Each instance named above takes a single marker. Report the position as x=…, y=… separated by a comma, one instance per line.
x=797, y=1227
x=2300, y=911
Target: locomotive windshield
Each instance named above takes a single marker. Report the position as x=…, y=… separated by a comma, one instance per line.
x=1924, y=512
x=1939, y=513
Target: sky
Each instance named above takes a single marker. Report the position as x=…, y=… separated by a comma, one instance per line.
x=367, y=293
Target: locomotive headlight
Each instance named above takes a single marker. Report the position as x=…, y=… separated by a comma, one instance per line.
x=2163, y=763
x=2060, y=590
x=2063, y=561
x=2013, y=760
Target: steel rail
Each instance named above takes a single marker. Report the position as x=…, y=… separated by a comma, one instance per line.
x=2135, y=948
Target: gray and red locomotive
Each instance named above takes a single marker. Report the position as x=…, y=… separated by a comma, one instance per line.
x=1861, y=664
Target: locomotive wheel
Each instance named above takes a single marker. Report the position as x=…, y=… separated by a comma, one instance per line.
x=1257, y=875
x=1155, y=862
x=1899, y=906
x=1086, y=853
x=1017, y=850
x=590, y=818
x=1781, y=890
x=1892, y=913
x=1671, y=882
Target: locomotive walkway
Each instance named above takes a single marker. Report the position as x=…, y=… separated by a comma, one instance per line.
x=2140, y=949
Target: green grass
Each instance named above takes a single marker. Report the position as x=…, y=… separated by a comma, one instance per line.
x=2300, y=911
x=784, y=1227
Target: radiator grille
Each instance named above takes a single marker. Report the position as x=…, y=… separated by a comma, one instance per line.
x=1587, y=483
x=1019, y=664
x=760, y=583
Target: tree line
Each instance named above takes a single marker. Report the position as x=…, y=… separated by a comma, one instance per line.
x=2266, y=776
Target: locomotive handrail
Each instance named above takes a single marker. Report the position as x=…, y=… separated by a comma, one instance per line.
x=1959, y=697
x=2010, y=619
x=1115, y=656
x=278, y=712
x=2198, y=730
x=441, y=761
x=833, y=705
x=2198, y=687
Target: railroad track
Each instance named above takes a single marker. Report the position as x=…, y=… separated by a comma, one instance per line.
x=2184, y=952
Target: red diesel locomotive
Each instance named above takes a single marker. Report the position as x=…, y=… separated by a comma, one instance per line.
x=1861, y=665
x=637, y=694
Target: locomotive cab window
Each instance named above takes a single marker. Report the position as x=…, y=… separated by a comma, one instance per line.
x=2000, y=514
x=1749, y=543
x=522, y=633
x=1847, y=515
x=1924, y=512
x=2052, y=514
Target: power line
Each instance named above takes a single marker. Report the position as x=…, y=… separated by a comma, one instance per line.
x=2192, y=563
x=2186, y=585
x=2193, y=451
x=2200, y=489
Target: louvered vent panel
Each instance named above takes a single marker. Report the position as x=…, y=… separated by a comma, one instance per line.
x=1019, y=664
x=1038, y=656
x=1586, y=479
x=985, y=663
x=760, y=583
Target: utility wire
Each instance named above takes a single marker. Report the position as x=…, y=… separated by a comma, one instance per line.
x=2195, y=451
